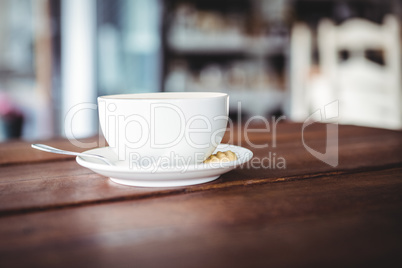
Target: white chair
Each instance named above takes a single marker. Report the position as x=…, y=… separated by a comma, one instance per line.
x=369, y=93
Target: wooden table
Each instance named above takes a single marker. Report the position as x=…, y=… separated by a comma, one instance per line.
x=55, y=213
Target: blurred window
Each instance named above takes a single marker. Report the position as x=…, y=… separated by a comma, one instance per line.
x=129, y=46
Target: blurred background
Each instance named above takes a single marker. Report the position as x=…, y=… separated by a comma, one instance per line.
x=273, y=57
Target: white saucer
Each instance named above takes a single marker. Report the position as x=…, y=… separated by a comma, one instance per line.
x=153, y=176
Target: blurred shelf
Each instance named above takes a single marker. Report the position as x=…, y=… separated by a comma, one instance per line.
x=256, y=103
x=236, y=48
x=11, y=74
x=249, y=101
x=226, y=44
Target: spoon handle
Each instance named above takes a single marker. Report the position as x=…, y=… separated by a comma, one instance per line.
x=50, y=149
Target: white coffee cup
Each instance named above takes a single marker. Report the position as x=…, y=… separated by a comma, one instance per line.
x=165, y=128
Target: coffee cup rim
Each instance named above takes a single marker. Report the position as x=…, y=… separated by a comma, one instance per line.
x=165, y=96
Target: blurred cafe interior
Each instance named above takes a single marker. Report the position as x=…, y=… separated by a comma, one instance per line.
x=273, y=57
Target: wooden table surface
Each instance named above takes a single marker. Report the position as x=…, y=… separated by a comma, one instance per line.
x=56, y=213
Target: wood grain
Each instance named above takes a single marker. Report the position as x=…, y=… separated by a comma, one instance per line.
x=351, y=219
x=55, y=213
x=59, y=183
x=19, y=152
